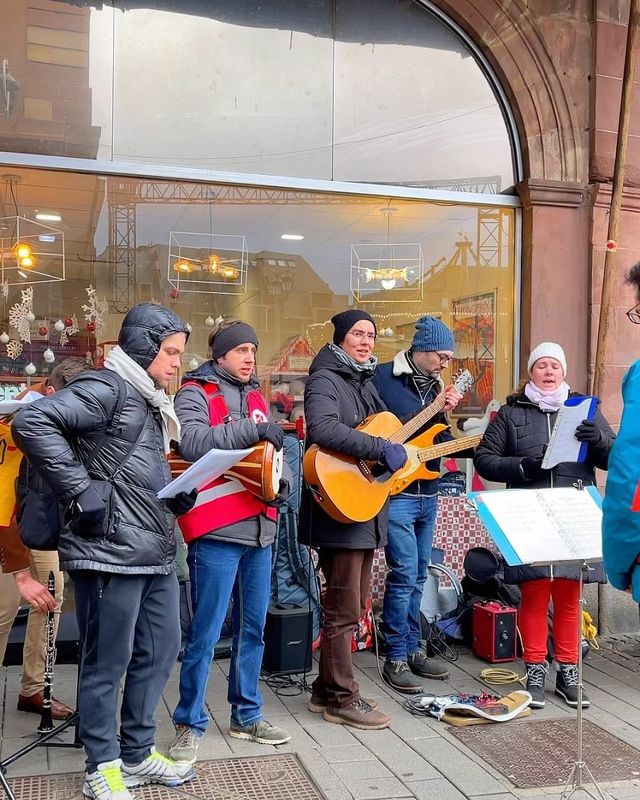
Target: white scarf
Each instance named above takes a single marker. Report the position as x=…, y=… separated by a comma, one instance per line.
x=127, y=368
x=547, y=401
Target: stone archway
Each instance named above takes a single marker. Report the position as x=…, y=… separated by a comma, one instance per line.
x=542, y=60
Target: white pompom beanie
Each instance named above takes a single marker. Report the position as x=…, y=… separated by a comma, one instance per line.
x=548, y=350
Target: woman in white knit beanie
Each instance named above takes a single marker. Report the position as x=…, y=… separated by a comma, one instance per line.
x=511, y=452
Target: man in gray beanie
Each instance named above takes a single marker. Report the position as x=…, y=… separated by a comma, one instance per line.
x=406, y=385
x=100, y=445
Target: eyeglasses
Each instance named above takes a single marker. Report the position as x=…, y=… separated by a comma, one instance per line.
x=444, y=358
x=634, y=314
x=371, y=337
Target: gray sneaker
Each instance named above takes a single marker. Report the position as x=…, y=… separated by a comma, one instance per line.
x=184, y=747
x=261, y=731
x=399, y=677
x=425, y=667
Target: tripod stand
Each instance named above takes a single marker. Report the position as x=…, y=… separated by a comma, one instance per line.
x=580, y=769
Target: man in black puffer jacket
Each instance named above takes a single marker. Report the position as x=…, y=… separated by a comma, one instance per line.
x=100, y=445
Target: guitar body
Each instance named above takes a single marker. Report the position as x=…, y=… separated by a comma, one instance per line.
x=339, y=484
x=414, y=469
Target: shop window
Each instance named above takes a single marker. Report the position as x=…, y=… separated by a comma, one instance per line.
x=280, y=93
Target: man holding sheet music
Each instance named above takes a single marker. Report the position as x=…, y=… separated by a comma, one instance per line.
x=229, y=533
x=512, y=452
x=99, y=444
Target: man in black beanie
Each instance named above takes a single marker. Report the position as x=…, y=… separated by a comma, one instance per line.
x=339, y=394
x=229, y=533
x=100, y=445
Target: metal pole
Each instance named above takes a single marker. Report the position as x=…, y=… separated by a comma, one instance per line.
x=616, y=197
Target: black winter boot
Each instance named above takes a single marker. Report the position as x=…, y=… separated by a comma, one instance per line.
x=567, y=685
x=536, y=675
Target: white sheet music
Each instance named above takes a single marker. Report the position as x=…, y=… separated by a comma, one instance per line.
x=544, y=526
x=563, y=445
x=206, y=469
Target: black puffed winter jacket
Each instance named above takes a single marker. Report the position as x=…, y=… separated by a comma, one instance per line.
x=338, y=398
x=59, y=433
x=521, y=429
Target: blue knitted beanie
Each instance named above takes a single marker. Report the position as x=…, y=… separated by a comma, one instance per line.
x=432, y=335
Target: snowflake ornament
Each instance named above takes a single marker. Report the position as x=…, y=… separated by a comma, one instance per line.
x=94, y=309
x=69, y=330
x=21, y=315
x=14, y=349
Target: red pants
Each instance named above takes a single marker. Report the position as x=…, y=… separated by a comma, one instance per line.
x=533, y=619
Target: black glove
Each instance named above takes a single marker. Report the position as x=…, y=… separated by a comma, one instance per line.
x=393, y=457
x=272, y=433
x=588, y=432
x=532, y=470
x=284, y=490
x=181, y=503
x=86, y=513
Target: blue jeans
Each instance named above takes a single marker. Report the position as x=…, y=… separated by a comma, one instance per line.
x=412, y=519
x=218, y=570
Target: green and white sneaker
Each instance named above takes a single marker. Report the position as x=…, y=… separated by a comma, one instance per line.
x=106, y=783
x=261, y=731
x=157, y=768
x=184, y=746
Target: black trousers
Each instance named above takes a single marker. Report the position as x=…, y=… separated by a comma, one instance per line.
x=130, y=625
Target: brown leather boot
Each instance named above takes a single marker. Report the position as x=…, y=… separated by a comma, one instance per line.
x=358, y=715
x=317, y=704
x=33, y=704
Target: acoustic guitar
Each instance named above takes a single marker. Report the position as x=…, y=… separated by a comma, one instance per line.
x=422, y=449
x=352, y=490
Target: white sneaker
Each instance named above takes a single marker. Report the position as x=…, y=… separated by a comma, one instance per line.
x=157, y=768
x=106, y=783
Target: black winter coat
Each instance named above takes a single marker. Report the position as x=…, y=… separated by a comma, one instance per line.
x=59, y=433
x=337, y=398
x=521, y=429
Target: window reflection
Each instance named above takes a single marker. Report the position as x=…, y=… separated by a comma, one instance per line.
x=318, y=91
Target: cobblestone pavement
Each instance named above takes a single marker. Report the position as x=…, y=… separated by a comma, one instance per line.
x=414, y=758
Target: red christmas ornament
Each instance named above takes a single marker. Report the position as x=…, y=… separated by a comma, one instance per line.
x=43, y=330
x=68, y=322
x=91, y=326
x=174, y=294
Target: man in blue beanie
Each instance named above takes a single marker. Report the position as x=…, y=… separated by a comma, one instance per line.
x=406, y=385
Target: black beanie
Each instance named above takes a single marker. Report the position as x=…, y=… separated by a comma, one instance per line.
x=232, y=336
x=145, y=327
x=345, y=320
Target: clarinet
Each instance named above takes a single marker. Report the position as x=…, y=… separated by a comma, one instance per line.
x=46, y=720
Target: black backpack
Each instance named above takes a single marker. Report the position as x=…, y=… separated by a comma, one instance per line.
x=38, y=512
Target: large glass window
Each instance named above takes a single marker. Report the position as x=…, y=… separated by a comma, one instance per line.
x=380, y=91
x=283, y=260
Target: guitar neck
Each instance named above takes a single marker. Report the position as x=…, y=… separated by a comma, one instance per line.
x=414, y=424
x=454, y=446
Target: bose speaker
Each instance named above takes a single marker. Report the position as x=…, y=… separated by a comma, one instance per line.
x=287, y=639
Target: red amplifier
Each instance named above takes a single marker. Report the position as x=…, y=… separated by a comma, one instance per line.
x=495, y=633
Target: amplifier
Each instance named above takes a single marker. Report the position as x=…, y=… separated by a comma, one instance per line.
x=494, y=631
x=287, y=639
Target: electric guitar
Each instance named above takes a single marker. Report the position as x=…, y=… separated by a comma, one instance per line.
x=353, y=490
x=422, y=449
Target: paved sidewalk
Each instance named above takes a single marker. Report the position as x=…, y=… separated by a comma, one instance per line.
x=414, y=758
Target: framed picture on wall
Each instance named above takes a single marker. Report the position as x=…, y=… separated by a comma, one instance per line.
x=474, y=331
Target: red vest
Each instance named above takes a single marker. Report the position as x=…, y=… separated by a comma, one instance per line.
x=224, y=501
